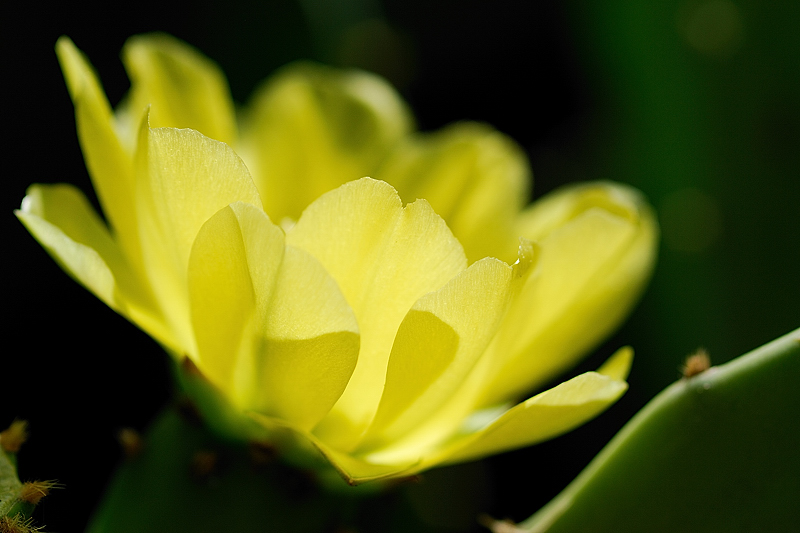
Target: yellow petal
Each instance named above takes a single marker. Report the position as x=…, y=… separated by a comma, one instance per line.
x=559, y=207
x=223, y=299
x=183, y=88
x=273, y=330
x=384, y=258
x=618, y=365
x=597, y=248
x=311, y=344
x=475, y=178
x=354, y=470
x=438, y=344
x=110, y=165
x=63, y=222
x=546, y=415
x=183, y=179
x=312, y=128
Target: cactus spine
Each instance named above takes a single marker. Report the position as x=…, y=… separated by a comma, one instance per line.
x=17, y=499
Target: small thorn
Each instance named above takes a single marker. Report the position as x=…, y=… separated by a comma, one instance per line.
x=696, y=363
x=190, y=368
x=33, y=491
x=189, y=411
x=204, y=464
x=12, y=439
x=17, y=524
x=131, y=443
x=261, y=453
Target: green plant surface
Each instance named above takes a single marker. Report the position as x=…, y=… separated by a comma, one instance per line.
x=184, y=478
x=712, y=452
x=10, y=484
x=18, y=499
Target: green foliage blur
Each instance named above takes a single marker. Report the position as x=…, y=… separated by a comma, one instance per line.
x=695, y=102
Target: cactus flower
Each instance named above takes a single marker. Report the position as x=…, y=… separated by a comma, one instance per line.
x=382, y=333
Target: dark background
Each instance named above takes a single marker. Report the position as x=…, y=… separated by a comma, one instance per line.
x=697, y=103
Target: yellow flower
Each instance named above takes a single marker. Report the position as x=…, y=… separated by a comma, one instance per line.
x=375, y=333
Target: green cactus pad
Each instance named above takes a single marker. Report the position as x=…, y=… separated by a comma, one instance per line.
x=10, y=485
x=713, y=452
x=17, y=499
x=185, y=478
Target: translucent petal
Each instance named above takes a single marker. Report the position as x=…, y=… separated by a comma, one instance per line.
x=273, y=330
x=63, y=222
x=475, y=178
x=110, y=165
x=223, y=299
x=354, y=470
x=384, y=258
x=618, y=365
x=559, y=207
x=311, y=344
x=542, y=417
x=183, y=88
x=312, y=128
x=597, y=248
x=437, y=345
x=183, y=179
